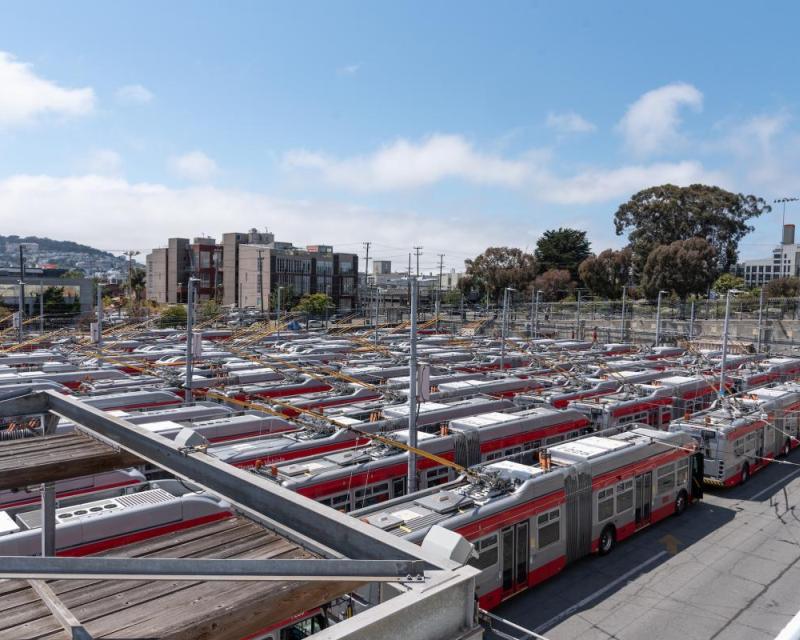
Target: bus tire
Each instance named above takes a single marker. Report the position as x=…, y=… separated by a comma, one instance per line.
x=745, y=473
x=608, y=540
x=787, y=448
x=681, y=501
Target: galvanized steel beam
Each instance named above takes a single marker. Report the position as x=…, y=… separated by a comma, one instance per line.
x=205, y=569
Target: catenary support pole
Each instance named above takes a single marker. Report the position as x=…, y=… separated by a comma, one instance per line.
x=724, y=359
x=412, y=391
x=691, y=322
x=622, y=326
x=188, y=395
x=760, y=319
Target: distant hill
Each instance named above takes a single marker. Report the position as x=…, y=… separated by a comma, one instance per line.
x=46, y=244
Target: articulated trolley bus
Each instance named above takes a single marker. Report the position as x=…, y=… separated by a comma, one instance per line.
x=528, y=522
x=743, y=436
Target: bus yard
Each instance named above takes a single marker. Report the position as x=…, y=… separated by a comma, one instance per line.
x=264, y=483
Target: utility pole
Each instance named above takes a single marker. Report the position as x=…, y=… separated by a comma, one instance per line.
x=188, y=395
x=412, y=393
x=377, y=308
x=261, y=281
x=99, y=317
x=130, y=253
x=366, y=245
x=409, y=283
x=504, y=329
x=724, y=360
x=691, y=322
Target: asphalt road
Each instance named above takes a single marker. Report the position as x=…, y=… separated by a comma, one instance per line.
x=728, y=568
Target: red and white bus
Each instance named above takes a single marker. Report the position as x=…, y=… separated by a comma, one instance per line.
x=654, y=404
x=743, y=437
x=361, y=476
x=528, y=522
x=337, y=434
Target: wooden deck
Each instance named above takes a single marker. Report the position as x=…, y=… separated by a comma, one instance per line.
x=138, y=609
x=34, y=460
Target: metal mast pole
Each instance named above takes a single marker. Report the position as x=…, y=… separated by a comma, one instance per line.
x=377, y=307
x=691, y=322
x=622, y=326
x=261, y=281
x=412, y=392
x=578, y=318
x=439, y=290
x=533, y=306
x=724, y=360
x=760, y=319
x=366, y=245
x=99, y=322
x=21, y=291
x=188, y=395
x=536, y=314
x=503, y=331
x=658, y=320
x=41, y=307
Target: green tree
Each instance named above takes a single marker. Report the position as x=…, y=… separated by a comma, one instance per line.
x=498, y=268
x=782, y=288
x=726, y=282
x=210, y=309
x=555, y=284
x=606, y=273
x=562, y=249
x=173, y=316
x=315, y=304
x=661, y=215
x=73, y=273
x=683, y=266
x=452, y=297
x=138, y=282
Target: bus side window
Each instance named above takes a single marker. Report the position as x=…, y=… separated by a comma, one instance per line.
x=549, y=528
x=666, y=479
x=605, y=504
x=624, y=496
x=487, y=552
x=683, y=472
x=738, y=447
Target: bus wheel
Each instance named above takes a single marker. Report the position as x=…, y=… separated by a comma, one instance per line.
x=680, y=503
x=608, y=540
x=745, y=473
x=787, y=448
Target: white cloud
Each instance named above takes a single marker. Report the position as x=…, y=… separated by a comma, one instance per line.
x=134, y=94
x=104, y=211
x=652, y=123
x=348, y=70
x=104, y=162
x=604, y=185
x=409, y=165
x=24, y=96
x=195, y=166
x=569, y=122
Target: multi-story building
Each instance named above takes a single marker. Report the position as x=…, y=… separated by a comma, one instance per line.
x=381, y=267
x=784, y=262
x=248, y=269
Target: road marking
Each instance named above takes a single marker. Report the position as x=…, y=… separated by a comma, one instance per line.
x=593, y=596
x=756, y=496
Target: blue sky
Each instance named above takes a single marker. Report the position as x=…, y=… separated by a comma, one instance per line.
x=452, y=125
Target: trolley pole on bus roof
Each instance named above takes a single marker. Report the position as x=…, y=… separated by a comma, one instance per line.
x=412, y=392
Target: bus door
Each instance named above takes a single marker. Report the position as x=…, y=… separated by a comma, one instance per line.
x=643, y=486
x=697, y=475
x=516, y=553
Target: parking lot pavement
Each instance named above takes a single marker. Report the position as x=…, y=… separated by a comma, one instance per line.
x=729, y=568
